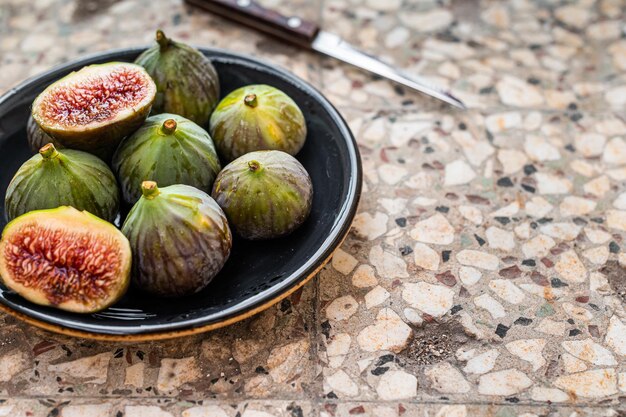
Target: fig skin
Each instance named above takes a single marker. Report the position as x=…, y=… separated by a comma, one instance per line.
x=104, y=118
x=179, y=237
x=168, y=149
x=254, y=118
x=65, y=177
x=66, y=259
x=186, y=80
x=265, y=194
x=37, y=137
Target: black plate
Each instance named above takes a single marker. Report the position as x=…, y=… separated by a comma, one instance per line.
x=257, y=274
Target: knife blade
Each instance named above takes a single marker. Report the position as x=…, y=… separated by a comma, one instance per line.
x=306, y=34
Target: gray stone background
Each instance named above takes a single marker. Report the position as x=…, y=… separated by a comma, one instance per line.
x=484, y=274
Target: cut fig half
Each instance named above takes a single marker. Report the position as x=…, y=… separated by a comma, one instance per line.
x=65, y=258
x=94, y=108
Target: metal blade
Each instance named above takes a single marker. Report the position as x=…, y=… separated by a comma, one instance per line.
x=332, y=45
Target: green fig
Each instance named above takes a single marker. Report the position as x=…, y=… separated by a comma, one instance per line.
x=63, y=177
x=95, y=108
x=265, y=194
x=168, y=149
x=255, y=118
x=179, y=237
x=65, y=258
x=187, y=83
x=37, y=137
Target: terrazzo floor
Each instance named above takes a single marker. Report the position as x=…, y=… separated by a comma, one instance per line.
x=485, y=271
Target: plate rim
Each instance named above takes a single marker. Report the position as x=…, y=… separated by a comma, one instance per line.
x=251, y=305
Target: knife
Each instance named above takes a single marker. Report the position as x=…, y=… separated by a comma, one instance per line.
x=305, y=34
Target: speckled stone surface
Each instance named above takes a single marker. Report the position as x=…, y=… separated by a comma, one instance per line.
x=485, y=271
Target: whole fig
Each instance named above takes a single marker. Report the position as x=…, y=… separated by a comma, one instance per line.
x=37, y=137
x=187, y=83
x=63, y=177
x=168, y=149
x=255, y=118
x=179, y=237
x=265, y=194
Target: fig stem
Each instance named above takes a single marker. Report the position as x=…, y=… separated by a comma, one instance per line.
x=169, y=126
x=254, y=166
x=149, y=189
x=48, y=151
x=250, y=100
x=162, y=40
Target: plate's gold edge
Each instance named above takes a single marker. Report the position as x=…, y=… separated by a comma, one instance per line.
x=148, y=337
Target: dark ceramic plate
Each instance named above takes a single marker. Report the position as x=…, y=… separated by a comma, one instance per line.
x=257, y=275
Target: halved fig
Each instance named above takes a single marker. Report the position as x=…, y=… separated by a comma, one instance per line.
x=65, y=258
x=95, y=108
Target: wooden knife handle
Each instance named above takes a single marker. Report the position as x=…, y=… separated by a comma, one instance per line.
x=291, y=29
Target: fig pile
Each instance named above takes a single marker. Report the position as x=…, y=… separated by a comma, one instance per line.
x=118, y=137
